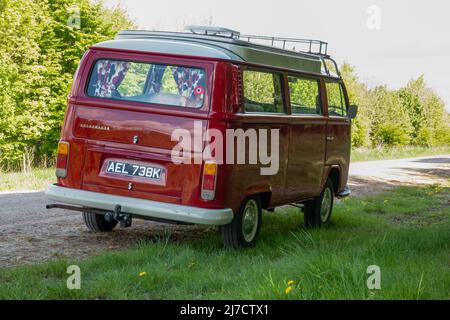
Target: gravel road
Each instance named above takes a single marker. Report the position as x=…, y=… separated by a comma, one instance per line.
x=29, y=233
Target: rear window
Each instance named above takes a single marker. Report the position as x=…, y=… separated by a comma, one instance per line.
x=179, y=86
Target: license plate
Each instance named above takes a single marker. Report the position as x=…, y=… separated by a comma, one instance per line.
x=135, y=170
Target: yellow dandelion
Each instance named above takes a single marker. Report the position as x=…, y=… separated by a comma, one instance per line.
x=291, y=282
x=288, y=289
x=142, y=274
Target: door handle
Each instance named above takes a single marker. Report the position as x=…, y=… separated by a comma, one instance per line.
x=330, y=138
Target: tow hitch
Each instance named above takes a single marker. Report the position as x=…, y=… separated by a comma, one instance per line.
x=117, y=214
x=123, y=218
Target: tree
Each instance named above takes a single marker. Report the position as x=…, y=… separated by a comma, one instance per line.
x=39, y=53
x=414, y=114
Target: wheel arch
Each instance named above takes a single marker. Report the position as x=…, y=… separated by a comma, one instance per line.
x=263, y=191
x=334, y=173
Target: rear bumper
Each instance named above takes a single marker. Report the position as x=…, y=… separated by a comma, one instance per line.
x=140, y=207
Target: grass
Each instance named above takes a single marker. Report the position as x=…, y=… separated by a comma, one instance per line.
x=406, y=232
x=35, y=180
x=363, y=154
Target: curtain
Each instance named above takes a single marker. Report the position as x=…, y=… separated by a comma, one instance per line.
x=110, y=75
x=190, y=84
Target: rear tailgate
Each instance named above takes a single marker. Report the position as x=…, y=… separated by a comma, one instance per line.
x=131, y=151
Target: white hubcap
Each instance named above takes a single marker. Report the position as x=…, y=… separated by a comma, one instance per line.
x=325, y=207
x=250, y=220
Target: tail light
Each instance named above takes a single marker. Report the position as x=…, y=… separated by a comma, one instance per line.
x=209, y=180
x=62, y=159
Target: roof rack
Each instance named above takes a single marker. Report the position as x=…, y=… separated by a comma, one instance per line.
x=310, y=46
x=300, y=47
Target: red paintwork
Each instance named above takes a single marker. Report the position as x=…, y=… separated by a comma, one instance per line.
x=305, y=155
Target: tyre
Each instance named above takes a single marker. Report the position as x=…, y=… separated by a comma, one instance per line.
x=243, y=230
x=318, y=211
x=97, y=222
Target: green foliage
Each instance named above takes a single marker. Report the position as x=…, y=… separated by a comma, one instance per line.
x=412, y=115
x=391, y=134
x=39, y=54
x=425, y=137
x=399, y=152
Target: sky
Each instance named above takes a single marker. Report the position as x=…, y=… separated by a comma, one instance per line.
x=388, y=41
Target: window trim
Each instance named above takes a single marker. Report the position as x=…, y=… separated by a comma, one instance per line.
x=312, y=78
x=94, y=63
x=282, y=91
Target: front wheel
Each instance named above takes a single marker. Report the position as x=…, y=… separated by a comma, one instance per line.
x=318, y=211
x=243, y=231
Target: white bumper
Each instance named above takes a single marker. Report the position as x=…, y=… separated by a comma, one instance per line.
x=141, y=207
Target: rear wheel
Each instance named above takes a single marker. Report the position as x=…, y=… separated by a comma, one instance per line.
x=97, y=222
x=318, y=211
x=243, y=231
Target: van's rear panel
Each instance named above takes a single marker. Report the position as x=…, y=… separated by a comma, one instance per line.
x=124, y=147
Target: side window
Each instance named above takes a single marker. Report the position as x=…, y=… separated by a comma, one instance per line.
x=262, y=92
x=304, y=94
x=336, y=100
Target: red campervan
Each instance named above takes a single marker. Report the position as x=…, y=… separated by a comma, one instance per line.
x=117, y=158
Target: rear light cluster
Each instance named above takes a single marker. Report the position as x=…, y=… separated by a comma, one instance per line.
x=209, y=180
x=62, y=159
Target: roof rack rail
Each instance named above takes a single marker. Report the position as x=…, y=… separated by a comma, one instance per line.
x=311, y=46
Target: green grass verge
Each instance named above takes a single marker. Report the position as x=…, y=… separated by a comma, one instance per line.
x=35, y=180
x=406, y=232
x=363, y=154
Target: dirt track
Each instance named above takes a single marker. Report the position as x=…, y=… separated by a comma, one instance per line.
x=29, y=233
